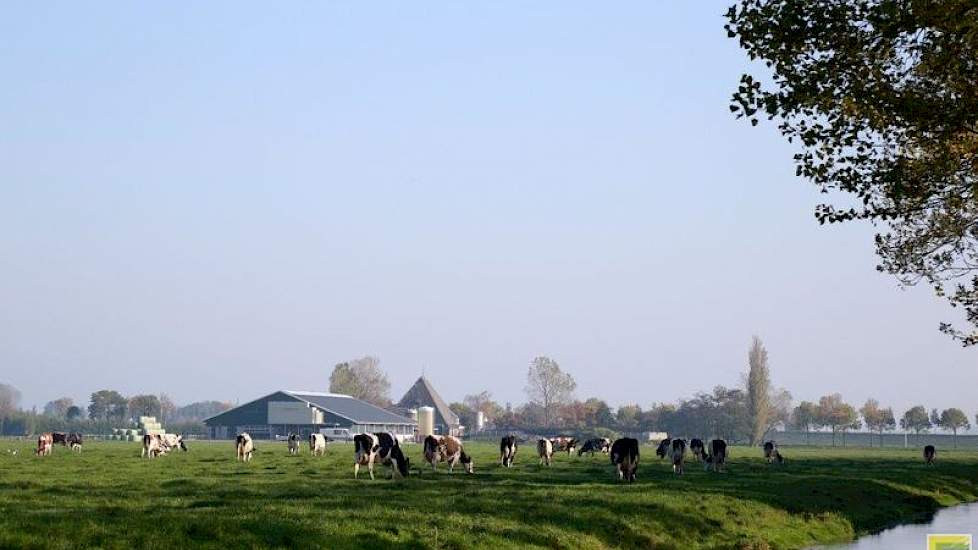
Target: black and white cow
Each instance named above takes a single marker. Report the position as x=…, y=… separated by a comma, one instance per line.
x=365, y=447
x=172, y=441
x=545, y=450
x=153, y=446
x=293, y=443
x=59, y=438
x=446, y=448
x=75, y=441
x=696, y=447
x=664, y=448
x=930, y=455
x=244, y=447
x=317, y=444
x=771, y=453
x=624, y=455
x=596, y=445
x=564, y=443
x=389, y=453
x=507, y=451
x=678, y=456
x=716, y=455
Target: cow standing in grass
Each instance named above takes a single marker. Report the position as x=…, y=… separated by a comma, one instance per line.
x=45, y=444
x=153, y=446
x=507, y=451
x=317, y=444
x=625, y=455
x=545, y=450
x=596, y=445
x=389, y=453
x=664, y=448
x=678, y=456
x=717, y=455
x=172, y=441
x=448, y=449
x=293, y=443
x=696, y=447
x=365, y=447
x=771, y=453
x=564, y=443
x=244, y=447
x=930, y=455
x=75, y=441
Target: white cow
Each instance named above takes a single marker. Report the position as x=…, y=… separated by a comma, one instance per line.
x=317, y=444
x=293, y=443
x=244, y=447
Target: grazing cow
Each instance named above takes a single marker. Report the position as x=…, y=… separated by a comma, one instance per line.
x=771, y=453
x=317, y=444
x=678, y=456
x=717, y=455
x=45, y=444
x=564, y=443
x=696, y=447
x=507, y=451
x=244, y=447
x=596, y=445
x=389, y=452
x=75, y=441
x=545, y=450
x=624, y=455
x=293, y=443
x=446, y=448
x=365, y=447
x=153, y=446
x=930, y=455
x=59, y=437
x=172, y=441
x=664, y=448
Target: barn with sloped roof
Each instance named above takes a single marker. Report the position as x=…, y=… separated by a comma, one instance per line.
x=305, y=412
x=423, y=394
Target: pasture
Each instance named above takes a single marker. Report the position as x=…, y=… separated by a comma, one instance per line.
x=108, y=497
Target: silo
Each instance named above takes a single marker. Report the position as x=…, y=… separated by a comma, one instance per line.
x=480, y=421
x=426, y=421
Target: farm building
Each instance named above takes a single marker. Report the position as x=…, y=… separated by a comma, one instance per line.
x=305, y=412
x=423, y=394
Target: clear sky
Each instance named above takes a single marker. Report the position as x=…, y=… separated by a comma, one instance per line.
x=223, y=199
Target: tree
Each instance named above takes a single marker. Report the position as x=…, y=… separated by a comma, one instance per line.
x=758, y=391
x=9, y=401
x=107, y=404
x=482, y=402
x=880, y=97
x=73, y=413
x=848, y=420
x=466, y=415
x=628, y=417
x=836, y=414
x=167, y=408
x=916, y=420
x=548, y=386
x=805, y=417
x=199, y=410
x=144, y=405
x=954, y=420
x=59, y=407
x=877, y=419
x=362, y=378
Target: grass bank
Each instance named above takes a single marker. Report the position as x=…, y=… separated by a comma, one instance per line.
x=108, y=497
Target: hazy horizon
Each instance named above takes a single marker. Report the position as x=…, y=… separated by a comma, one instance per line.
x=219, y=201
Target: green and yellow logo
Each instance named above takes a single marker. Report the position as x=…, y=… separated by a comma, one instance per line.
x=949, y=542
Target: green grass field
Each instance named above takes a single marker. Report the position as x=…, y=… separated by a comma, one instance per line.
x=109, y=497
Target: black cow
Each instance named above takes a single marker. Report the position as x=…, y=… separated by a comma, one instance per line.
x=717, y=456
x=696, y=447
x=624, y=455
x=507, y=451
x=596, y=445
x=60, y=437
x=678, y=456
x=74, y=441
x=930, y=455
x=663, y=449
x=771, y=453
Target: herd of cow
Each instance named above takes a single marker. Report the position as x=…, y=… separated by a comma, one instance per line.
x=384, y=448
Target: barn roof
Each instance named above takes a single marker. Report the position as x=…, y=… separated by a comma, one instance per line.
x=345, y=406
x=423, y=394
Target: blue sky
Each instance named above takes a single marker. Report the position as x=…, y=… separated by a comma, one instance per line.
x=215, y=201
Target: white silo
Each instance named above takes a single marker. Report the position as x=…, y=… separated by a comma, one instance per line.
x=480, y=421
x=426, y=421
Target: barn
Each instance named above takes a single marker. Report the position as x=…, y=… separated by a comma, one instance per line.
x=304, y=412
x=423, y=394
